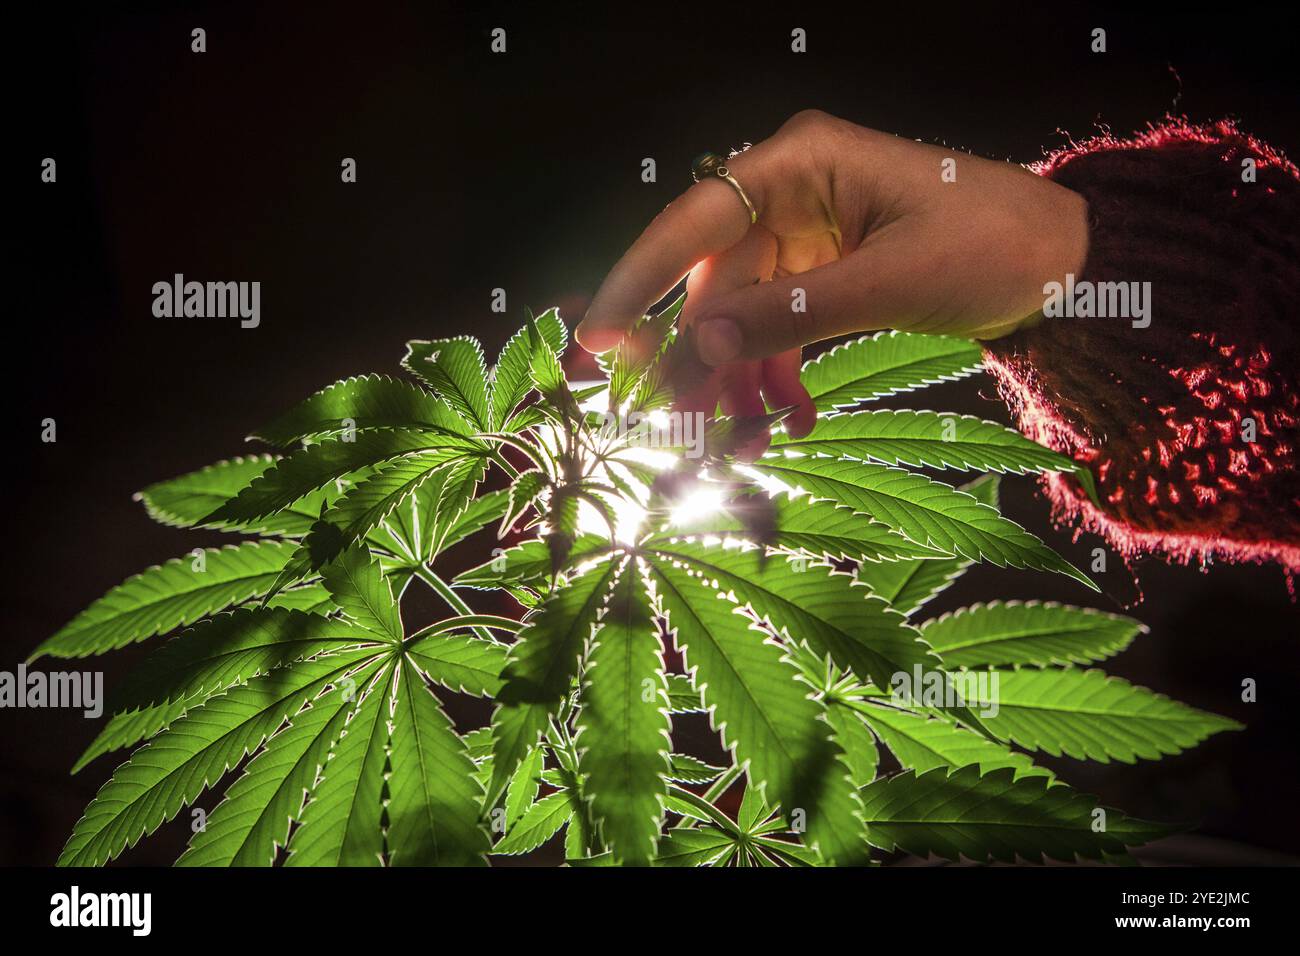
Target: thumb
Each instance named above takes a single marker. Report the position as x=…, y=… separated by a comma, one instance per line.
x=866, y=290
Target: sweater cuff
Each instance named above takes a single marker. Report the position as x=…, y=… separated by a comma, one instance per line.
x=1169, y=367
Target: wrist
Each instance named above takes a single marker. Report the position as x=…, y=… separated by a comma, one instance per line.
x=1067, y=250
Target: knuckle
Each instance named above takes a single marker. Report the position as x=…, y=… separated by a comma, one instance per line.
x=809, y=119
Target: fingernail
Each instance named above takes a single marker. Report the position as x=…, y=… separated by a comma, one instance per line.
x=718, y=341
x=593, y=338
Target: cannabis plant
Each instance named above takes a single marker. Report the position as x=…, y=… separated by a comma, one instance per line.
x=657, y=576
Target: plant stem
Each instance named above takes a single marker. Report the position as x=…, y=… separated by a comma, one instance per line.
x=711, y=812
x=444, y=591
x=466, y=620
x=503, y=463
x=719, y=786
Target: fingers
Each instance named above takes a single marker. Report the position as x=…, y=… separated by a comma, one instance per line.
x=783, y=388
x=707, y=219
x=875, y=287
x=740, y=399
x=748, y=261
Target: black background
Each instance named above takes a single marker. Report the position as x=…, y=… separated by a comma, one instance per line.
x=522, y=171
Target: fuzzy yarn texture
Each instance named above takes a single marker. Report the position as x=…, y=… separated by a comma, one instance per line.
x=1161, y=415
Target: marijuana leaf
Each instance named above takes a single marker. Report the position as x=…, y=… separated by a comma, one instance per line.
x=170, y=595
x=899, y=437
x=1028, y=633
x=455, y=369
x=542, y=667
x=512, y=376
x=365, y=402
x=761, y=709
x=887, y=362
x=623, y=728
x=996, y=816
x=929, y=512
x=1087, y=715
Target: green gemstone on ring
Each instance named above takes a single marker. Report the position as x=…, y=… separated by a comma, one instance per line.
x=706, y=164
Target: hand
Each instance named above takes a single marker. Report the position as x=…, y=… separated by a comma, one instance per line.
x=866, y=226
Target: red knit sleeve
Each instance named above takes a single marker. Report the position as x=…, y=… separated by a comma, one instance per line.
x=1187, y=416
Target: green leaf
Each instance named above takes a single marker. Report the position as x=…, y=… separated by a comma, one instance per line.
x=931, y=439
x=753, y=810
x=600, y=859
x=342, y=822
x=562, y=526
x=364, y=507
x=1028, y=633
x=623, y=724
x=693, y=847
x=456, y=370
x=638, y=352
x=885, y=363
x=428, y=523
x=524, y=785
x=312, y=598
x=434, y=809
x=315, y=466
x=542, y=667
x=192, y=754
x=366, y=401
x=825, y=609
x=460, y=662
x=996, y=816
x=170, y=595
x=683, y=698
x=816, y=526
x=125, y=729
x=528, y=563
x=512, y=376
x=545, y=369
x=921, y=743
x=688, y=804
x=1089, y=716
x=371, y=501
x=479, y=743
x=230, y=649
x=927, y=511
x=859, y=744
x=186, y=501
x=791, y=854
x=523, y=491
x=478, y=514
x=908, y=584
x=763, y=711
x=359, y=587
x=541, y=822
x=454, y=495
x=688, y=769
x=253, y=819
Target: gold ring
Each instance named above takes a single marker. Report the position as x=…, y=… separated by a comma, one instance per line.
x=711, y=164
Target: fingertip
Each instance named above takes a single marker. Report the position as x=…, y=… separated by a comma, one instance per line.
x=597, y=338
x=801, y=421
x=753, y=451
x=783, y=388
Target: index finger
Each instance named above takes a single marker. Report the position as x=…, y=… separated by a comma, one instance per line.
x=706, y=219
